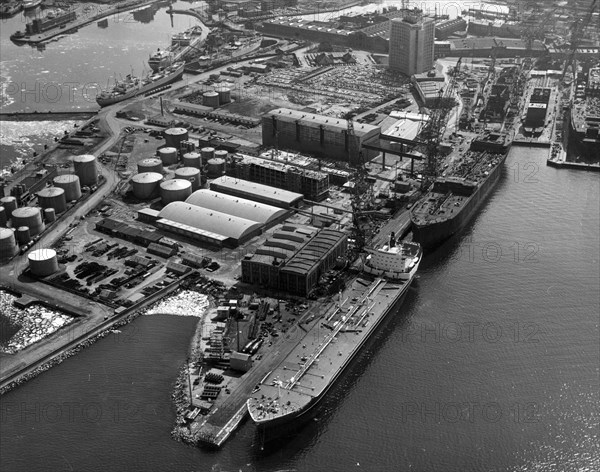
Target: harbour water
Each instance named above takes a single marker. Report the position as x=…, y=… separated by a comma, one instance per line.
x=491, y=364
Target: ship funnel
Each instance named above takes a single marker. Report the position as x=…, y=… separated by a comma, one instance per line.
x=392, y=239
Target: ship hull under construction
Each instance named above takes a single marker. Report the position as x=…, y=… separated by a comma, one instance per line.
x=435, y=232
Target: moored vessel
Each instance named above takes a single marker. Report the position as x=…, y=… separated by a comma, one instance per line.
x=133, y=86
x=301, y=381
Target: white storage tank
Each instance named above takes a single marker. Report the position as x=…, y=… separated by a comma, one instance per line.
x=70, y=184
x=168, y=155
x=3, y=217
x=49, y=215
x=224, y=95
x=175, y=190
x=191, y=174
x=43, y=262
x=8, y=244
x=151, y=164
x=29, y=216
x=10, y=205
x=221, y=154
x=85, y=168
x=216, y=168
x=52, y=197
x=192, y=159
x=207, y=153
x=174, y=137
x=210, y=99
x=146, y=185
x=23, y=235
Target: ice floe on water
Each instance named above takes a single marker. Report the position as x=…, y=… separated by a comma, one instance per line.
x=185, y=303
x=35, y=322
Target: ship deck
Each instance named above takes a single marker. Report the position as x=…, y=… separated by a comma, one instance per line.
x=324, y=350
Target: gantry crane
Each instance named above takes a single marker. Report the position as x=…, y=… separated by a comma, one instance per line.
x=576, y=35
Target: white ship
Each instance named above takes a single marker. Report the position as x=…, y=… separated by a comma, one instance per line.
x=396, y=260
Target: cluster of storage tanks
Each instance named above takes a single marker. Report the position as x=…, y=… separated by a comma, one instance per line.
x=149, y=182
x=220, y=96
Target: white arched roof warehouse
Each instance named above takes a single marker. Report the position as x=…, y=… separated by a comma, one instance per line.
x=237, y=206
x=210, y=221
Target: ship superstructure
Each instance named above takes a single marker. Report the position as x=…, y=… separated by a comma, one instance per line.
x=393, y=260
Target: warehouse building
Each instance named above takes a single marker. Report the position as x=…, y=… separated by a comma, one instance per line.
x=208, y=226
x=314, y=185
x=294, y=258
x=321, y=135
x=267, y=215
x=256, y=192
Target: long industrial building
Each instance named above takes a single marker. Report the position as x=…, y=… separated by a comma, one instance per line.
x=321, y=135
x=294, y=258
x=256, y=192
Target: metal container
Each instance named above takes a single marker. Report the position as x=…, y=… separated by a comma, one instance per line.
x=3, y=218
x=207, y=153
x=216, y=168
x=192, y=159
x=191, y=174
x=151, y=164
x=70, y=184
x=221, y=154
x=52, y=197
x=146, y=185
x=10, y=205
x=23, y=235
x=43, y=262
x=49, y=215
x=210, y=99
x=224, y=95
x=174, y=137
x=85, y=168
x=175, y=190
x=168, y=155
x=8, y=244
x=29, y=216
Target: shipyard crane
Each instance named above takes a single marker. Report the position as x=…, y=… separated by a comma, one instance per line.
x=576, y=35
x=433, y=129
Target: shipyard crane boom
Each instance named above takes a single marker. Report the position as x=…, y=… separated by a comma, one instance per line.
x=576, y=35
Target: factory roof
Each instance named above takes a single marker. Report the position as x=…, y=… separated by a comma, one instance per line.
x=280, y=166
x=307, y=119
x=313, y=252
x=284, y=243
x=208, y=221
x=236, y=206
x=259, y=191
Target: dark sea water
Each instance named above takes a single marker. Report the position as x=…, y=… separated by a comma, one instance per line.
x=491, y=364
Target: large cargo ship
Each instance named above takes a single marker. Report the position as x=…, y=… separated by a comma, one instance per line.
x=296, y=386
x=182, y=45
x=584, y=119
x=134, y=86
x=456, y=196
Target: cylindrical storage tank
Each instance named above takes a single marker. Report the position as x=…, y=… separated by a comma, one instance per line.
x=221, y=154
x=43, y=262
x=85, y=168
x=174, y=136
x=210, y=99
x=175, y=190
x=8, y=244
x=207, y=153
x=224, y=95
x=70, y=184
x=168, y=155
x=23, y=235
x=3, y=217
x=191, y=174
x=146, y=185
x=52, y=197
x=152, y=164
x=192, y=159
x=49, y=215
x=216, y=167
x=29, y=216
x=9, y=204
